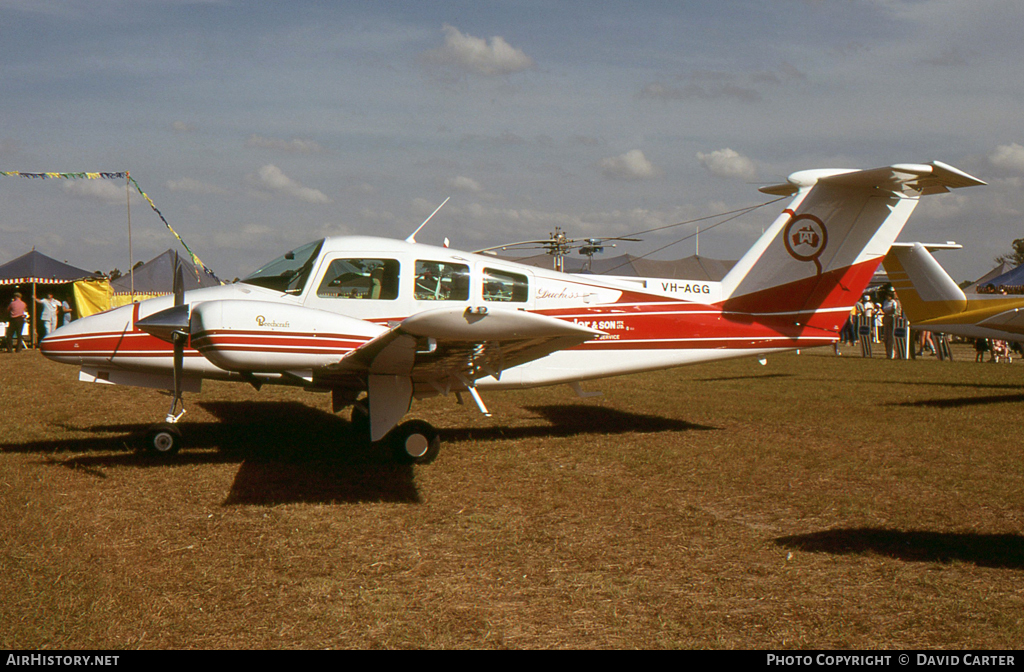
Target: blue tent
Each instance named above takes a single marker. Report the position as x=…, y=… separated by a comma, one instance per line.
x=36, y=267
x=1014, y=276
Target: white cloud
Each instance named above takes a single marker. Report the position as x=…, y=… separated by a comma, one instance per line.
x=182, y=127
x=270, y=178
x=107, y=191
x=294, y=146
x=461, y=183
x=728, y=163
x=1008, y=157
x=474, y=54
x=632, y=165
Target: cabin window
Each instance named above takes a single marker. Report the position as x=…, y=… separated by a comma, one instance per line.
x=505, y=286
x=360, y=279
x=441, y=281
x=289, y=272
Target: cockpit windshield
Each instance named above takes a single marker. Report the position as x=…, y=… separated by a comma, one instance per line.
x=289, y=272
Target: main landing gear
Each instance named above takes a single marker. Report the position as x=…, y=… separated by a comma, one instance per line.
x=412, y=442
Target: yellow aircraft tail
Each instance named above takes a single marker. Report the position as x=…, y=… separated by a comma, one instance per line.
x=925, y=290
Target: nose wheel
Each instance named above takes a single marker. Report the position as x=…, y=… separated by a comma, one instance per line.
x=163, y=439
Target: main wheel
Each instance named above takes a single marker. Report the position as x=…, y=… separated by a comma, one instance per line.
x=414, y=442
x=163, y=439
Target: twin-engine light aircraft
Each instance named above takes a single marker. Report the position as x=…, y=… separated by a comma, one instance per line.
x=395, y=320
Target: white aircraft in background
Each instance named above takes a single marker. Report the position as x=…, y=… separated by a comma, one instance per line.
x=400, y=320
x=932, y=301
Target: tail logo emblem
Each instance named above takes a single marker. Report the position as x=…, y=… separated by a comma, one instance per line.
x=806, y=237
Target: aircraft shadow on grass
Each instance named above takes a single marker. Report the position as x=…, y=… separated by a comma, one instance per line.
x=566, y=421
x=959, y=402
x=962, y=402
x=291, y=452
x=753, y=376
x=999, y=551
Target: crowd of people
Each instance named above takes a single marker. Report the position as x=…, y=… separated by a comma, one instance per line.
x=998, y=350
x=51, y=312
x=1001, y=289
x=880, y=318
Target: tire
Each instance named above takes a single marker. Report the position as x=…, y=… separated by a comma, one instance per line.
x=163, y=439
x=414, y=442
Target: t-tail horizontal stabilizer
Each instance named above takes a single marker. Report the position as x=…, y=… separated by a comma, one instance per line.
x=815, y=260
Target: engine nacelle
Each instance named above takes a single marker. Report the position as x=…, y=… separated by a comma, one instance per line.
x=265, y=337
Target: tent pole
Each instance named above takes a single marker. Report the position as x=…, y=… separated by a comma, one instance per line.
x=131, y=261
x=32, y=316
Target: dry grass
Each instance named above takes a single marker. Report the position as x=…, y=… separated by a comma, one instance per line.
x=817, y=502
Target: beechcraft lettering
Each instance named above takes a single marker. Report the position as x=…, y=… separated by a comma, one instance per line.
x=264, y=322
x=378, y=323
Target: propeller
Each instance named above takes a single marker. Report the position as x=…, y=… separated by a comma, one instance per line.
x=178, y=339
x=558, y=245
x=172, y=325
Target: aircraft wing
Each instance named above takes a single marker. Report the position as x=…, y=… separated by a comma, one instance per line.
x=444, y=350
x=459, y=344
x=1011, y=320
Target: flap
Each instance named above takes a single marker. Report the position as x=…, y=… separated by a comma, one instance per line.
x=449, y=348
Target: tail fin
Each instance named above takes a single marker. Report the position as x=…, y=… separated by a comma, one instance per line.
x=924, y=288
x=819, y=255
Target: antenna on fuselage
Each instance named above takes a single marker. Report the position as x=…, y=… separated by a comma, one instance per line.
x=412, y=238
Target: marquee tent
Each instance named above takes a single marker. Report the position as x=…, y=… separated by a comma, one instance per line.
x=156, y=278
x=999, y=270
x=151, y=279
x=35, y=268
x=1012, y=278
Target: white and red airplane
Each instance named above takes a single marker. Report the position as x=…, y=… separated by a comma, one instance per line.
x=400, y=320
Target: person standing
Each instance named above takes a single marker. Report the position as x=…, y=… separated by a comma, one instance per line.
x=890, y=311
x=16, y=311
x=51, y=306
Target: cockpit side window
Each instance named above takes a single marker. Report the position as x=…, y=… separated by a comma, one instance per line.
x=505, y=286
x=289, y=272
x=441, y=281
x=360, y=279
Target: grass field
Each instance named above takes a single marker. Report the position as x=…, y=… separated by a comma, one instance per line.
x=815, y=502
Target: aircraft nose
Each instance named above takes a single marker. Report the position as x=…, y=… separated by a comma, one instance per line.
x=53, y=346
x=87, y=338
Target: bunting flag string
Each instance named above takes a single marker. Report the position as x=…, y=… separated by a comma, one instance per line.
x=121, y=175
x=66, y=176
x=195, y=260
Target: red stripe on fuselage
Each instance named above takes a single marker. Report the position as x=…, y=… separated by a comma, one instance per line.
x=799, y=314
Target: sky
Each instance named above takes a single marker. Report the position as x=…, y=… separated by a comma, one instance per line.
x=256, y=127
